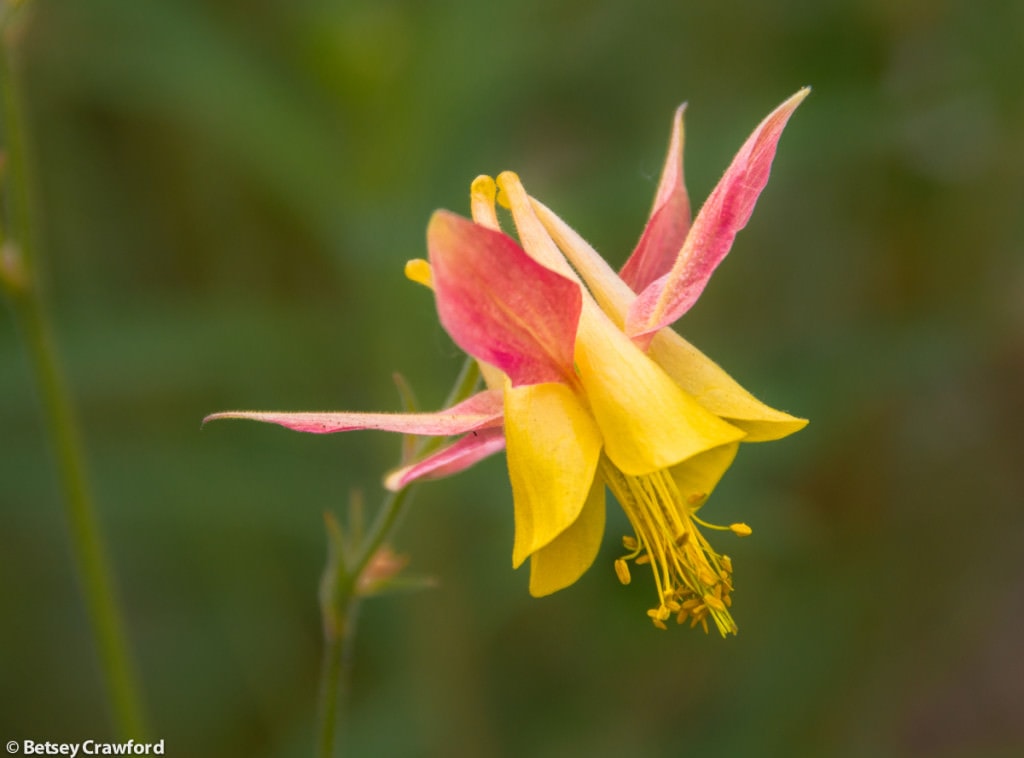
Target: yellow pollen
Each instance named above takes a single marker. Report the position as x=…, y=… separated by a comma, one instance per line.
x=741, y=530
x=691, y=579
x=418, y=270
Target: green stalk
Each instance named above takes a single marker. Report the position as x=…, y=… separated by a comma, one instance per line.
x=18, y=275
x=339, y=599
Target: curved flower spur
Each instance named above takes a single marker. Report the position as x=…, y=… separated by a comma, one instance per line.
x=588, y=387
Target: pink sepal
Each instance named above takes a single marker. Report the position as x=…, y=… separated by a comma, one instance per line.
x=501, y=306
x=725, y=212
x=669, y=221
x=452, y=459
x=483, y=410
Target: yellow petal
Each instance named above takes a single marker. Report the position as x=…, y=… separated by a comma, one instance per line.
x=567, y=557
x=552, y=448
x=647, y=422
x=718, y=392
x=697, y=477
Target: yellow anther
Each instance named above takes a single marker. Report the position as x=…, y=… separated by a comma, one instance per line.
x=741, y=530
x=682, y=539
x=622, y=571
x=419, y=271
x=658, y=616
x=726, y=562
x=696, y=499
x=713, y=602
x=630, y=543
x=645, y=558
x=707, y=578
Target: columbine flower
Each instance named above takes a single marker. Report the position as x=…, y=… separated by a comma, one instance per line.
x=588, y=387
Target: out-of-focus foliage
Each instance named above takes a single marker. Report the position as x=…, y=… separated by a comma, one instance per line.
x=228, y=191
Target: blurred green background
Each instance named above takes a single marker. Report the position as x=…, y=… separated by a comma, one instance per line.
x=228, y=191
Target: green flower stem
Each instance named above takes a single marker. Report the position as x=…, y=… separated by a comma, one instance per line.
x=336, y=664
x=339, y=596
x=20, y=283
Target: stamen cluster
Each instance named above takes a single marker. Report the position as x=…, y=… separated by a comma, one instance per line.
x=693, y=581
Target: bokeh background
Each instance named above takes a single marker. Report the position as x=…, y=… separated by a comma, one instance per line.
x=228, y=191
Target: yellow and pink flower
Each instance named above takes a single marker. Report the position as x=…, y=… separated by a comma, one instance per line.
x=588, y=386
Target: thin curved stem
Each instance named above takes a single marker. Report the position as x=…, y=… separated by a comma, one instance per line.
x=25, y=294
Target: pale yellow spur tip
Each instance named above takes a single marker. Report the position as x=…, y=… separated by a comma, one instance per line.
x=418, y=270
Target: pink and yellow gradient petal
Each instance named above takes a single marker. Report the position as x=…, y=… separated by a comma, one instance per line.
x=709, y=239
x=669, y=222
x=499, y=305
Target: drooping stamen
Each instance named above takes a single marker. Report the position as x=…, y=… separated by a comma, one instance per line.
x=691, y=579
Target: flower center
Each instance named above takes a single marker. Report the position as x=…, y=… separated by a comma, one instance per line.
x=693, y=581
